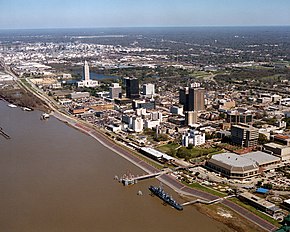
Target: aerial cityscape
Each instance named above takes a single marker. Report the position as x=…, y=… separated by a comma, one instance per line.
x=148, y=116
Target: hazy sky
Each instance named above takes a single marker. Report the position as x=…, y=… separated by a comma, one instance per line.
x=134, y=13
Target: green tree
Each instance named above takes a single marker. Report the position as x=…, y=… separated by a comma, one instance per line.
x=287, y=120
x=161, y=137
x=183, y=153
x=190, y=146
x=262, y=139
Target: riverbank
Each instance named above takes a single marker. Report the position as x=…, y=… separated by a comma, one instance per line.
x=23, y=98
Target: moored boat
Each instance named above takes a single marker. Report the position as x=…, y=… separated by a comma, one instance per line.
x=159, y=192
x=12, y=105
x=44, y=116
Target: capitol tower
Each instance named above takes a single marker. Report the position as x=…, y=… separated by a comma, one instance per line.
x=87, y=82
x=86, y=71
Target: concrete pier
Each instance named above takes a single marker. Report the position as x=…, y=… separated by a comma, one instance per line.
x=129, y=180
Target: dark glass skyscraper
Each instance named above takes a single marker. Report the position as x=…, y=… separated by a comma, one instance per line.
x=132, y=87
x=192, y=98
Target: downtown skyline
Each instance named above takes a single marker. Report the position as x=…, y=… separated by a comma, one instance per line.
x=32, y=14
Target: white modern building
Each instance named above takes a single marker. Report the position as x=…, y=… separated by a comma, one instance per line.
x=137, y=124
x=87, y=82
x=151, y=124
x=193, y=137
x=149, y=90
x=115, y=91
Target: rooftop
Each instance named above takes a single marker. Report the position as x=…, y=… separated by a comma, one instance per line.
x=233, y=162
x=282, y=136
x=275, y=145
x=261, y=157
x=258, y=200
x=156, y=153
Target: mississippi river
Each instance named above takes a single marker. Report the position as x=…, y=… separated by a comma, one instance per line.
x=54, y=178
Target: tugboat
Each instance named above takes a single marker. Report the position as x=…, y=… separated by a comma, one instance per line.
x=159, y=192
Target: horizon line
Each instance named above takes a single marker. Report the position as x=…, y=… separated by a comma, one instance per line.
x=170, y=26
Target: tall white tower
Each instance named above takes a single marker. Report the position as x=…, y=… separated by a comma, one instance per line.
x=87, y=82
x=86, y=71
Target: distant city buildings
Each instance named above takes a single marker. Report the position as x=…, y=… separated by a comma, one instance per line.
x=176, y=110
x=79, y=95
x=87, y=82
x=190, y=117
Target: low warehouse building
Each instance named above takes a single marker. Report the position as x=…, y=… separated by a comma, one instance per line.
x=279, y=150
x=157, y=155
x=259, y=203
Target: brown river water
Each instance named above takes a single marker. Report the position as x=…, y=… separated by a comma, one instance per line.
x=54, y=178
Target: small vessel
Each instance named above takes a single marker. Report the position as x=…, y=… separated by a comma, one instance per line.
x=159, y=192
x=26, y=109
x=44, y=116
x=139, y=193
x=12, y=105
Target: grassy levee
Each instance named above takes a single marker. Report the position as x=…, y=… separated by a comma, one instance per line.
x=205, y=189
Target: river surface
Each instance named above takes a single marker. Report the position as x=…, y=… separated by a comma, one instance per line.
x=54, y=178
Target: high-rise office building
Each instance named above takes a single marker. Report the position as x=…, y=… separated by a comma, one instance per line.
x=132, y=87
x=244, y=135
x=115, y=91
x=148, y=90
x=196, y=99
x=192, y=98
x=183, y=97
x=87, y=82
